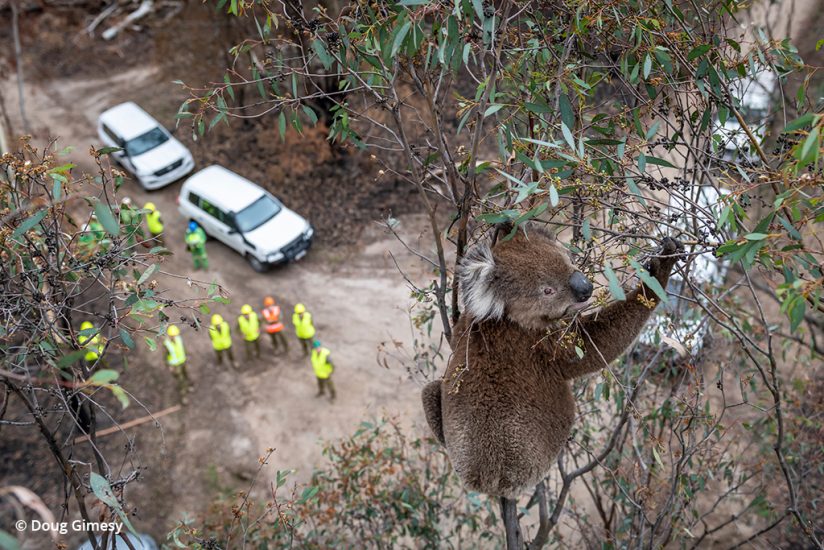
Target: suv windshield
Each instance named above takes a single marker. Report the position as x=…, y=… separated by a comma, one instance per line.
x=256, y=214
x=145, y=142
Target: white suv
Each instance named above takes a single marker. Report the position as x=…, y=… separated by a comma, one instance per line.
x=148, y=150
x=245, y=217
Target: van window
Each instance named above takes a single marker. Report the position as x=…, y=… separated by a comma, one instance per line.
x=257, y=213
x=146, y=142
x=210, y=208
x=108, y=132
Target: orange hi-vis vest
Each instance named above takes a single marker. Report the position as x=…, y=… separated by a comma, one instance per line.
x=272, y=316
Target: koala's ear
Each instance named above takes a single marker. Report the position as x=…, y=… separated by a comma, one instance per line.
x=476, y=274
x=540, y=228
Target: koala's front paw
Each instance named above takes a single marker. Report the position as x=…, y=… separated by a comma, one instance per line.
x=670, y=246
x=661, y=265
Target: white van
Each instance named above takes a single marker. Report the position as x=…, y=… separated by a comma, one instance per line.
x=245, y=217
x=148, y=150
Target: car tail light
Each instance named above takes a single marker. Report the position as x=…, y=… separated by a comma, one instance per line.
x=177, y=200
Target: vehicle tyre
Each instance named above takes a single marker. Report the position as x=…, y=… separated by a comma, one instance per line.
x=256, y=264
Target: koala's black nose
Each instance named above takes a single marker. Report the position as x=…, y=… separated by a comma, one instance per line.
x=581, y=287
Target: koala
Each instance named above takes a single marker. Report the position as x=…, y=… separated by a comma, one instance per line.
x=504, y=408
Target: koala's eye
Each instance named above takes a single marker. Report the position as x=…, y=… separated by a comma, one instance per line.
x=549, y=291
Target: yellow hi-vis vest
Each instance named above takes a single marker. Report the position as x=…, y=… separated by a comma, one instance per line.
x=249, y=326
x=93, y=347
x=154, y=223
x=221, y=338
x=303, y=325
x=175, y=355
x=323, y=369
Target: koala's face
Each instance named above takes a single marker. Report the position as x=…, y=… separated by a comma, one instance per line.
x=529, y=279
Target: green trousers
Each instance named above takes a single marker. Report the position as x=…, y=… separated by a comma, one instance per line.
x=201, y=259
x=323, y=384
x=279, y=341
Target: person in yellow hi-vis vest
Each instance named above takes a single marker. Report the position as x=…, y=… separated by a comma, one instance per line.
x=176, y=359
x=323, y=368
x=221, y=339
x=305, y=330
x=154, y=222
x=249, y=325
x=91, y=343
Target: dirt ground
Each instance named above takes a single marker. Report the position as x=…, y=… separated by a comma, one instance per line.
x=348, y=281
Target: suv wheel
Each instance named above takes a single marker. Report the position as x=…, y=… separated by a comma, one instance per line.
x=256, y=264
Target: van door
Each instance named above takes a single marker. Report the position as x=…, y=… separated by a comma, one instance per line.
x=199, y=215
x=113, y=140
x=221, y=226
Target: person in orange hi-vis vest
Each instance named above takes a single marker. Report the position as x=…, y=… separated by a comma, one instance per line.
x=274, y=326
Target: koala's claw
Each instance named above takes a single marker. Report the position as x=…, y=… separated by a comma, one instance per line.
x=670, y=246
x=661, y=264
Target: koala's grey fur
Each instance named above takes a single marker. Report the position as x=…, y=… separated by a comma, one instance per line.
x=504, y=408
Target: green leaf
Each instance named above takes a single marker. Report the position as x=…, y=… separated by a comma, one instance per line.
x=652, y=130
x=399, y=38
x=106, y=218
x=657, y=457
x=310, y=113
x=120, y=394
x=586, y=230
x=8, y=542
x=148, y=273
x=498, y=217
x=568, y=136
x=127, y=338
x=537, y=108
x=282, y=125
x=281, y=477
x=413, y=2
x=659, y=162
x=755, y=236
x=29, y=223
x=492, y=109
x=150, y=342
x=228, y=86
x=633, y=187
x=800, y=122
x=614, y=285
x=71, y=358
x=647, y=66
x=102, y=377
x=307, y=494
x=102, y=490
x=698, y=51
x=809, y=143
x=650, y=281
x=796, y=313
x=553, y=195
x=108, y=150
x=320, y=49
x=567, y=113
